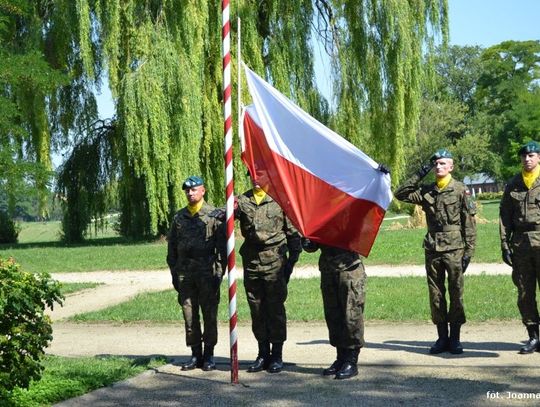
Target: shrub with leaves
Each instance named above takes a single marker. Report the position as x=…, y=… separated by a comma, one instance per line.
x=9, y=231
x=25, y=330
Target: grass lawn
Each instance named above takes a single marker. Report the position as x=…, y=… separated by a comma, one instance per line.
x=387, y=298
x=64, y=378
x=40, y=250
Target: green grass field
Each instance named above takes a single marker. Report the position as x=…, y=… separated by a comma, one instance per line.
x=40, y=249
x=64, y=378
x=387, y=298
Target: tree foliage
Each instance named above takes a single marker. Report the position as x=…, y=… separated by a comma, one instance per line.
x=508, y=92
x=25, y=330
x=164, y=66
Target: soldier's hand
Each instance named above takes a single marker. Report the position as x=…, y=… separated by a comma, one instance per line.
x=465, y=263
x=216, y=281
x=175, y=282
x=287, y=270
x=425, y=168
x=384, y=169
x=308, y=245
x=507, y=257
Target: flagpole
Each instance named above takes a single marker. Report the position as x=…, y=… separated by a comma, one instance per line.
x=229, y=187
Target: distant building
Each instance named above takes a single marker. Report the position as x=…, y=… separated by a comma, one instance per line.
x=480, y=183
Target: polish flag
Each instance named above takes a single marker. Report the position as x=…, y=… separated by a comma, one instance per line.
x=331, y=191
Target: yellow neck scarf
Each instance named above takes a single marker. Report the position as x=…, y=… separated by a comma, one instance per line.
x=193, y=209
x=444, y=181
x=258, y=194
x=530, y=177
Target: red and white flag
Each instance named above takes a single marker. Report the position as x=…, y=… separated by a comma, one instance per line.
x=332, y=192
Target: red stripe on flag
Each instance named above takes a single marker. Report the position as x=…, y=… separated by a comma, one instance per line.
x=320, y=211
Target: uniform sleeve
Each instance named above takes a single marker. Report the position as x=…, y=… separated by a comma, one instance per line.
x=468, y=223
x=172, y=248
x=294, y=239
x=410, y=191
x=505, y=220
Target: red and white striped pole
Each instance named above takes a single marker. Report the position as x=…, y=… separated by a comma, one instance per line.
x=229, y=186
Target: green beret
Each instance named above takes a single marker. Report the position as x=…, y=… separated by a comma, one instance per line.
x=193, y=181
x=441, y=153
x=530, y=147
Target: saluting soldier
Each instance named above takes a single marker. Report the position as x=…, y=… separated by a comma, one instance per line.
x=449, y=243
x=343, y=282
x=196, y=253
x=520, y=238
x=269, y=236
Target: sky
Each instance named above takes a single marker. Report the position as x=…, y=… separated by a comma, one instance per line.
x=489, y=22
x=472, y=22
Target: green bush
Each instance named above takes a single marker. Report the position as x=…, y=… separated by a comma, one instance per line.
x=25, y=330
x=9, y=230
x=488, y=196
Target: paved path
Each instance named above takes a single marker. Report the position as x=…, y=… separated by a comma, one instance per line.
x=395, y=368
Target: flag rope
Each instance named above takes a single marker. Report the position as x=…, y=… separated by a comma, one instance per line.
x=229, y=188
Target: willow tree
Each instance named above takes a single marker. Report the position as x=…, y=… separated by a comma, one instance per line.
x=44, y=91
x=165, y=73
x=380, y=54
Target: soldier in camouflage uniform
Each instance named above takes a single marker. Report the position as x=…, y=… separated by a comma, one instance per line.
x=449, y=243
x=196, y=245
x=268, y=235
x=520, y=238
x=342, y=285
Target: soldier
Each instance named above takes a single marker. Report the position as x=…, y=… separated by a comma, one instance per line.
x=449, y=243
x=268, y=235
x=342, y=285
x=196, y=245
x=520, y=238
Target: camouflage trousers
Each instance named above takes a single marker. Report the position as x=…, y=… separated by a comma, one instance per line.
x=343, y=295
x=526, y=276
x=199, y=291
x=266, y=292
x=438, y=264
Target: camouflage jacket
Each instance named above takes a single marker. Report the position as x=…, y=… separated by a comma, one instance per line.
x=334, y=259
x=519, y=216
x=265, y=226
x=449, y=214
x=196, y=242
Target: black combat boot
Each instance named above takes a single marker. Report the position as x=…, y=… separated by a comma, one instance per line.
x=263, y=358
x=349, y=368
x=196, y=359
x=334, y=367
x=276, y=358
x=208, y=358
x=533, y=343
x=455, y=345
x=442, y=344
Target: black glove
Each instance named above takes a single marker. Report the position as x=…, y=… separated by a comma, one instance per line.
x=175, y=281
x=216, y=281
x=309, y=246
x=425, y=169
x=287, y=270
x=507, y=257
x=465, y=263
x=384, y=169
